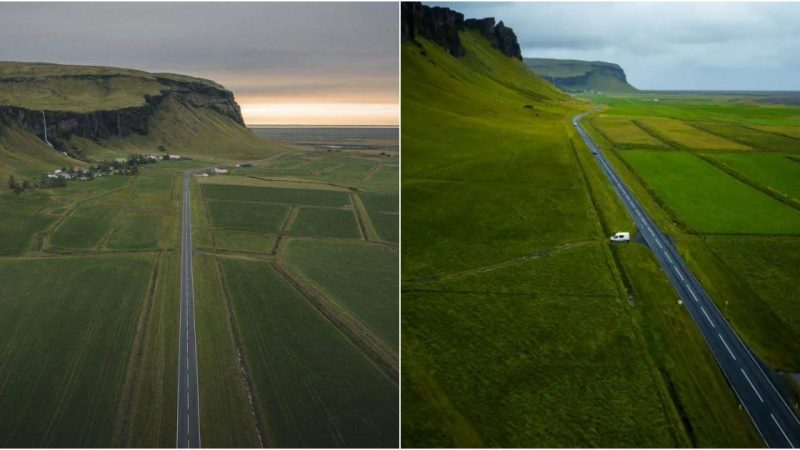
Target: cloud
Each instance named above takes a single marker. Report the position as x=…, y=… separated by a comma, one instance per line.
x=664, y=45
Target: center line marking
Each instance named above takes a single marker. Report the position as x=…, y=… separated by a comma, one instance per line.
x=752, y=385
x=726, y=346
x=707, y=318
x=693, y=296
x=679, y=274
x=668, y=258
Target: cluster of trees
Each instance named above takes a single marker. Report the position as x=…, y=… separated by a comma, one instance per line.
x=19, y=188
x=129, y=166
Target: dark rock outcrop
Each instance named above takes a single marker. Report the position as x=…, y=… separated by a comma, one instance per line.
x=441, y=26
x=501, y=36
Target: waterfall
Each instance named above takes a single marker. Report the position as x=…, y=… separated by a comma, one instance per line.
x=44, y=121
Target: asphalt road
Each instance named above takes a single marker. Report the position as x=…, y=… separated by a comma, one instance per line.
x=769, y=412
x=188, y=434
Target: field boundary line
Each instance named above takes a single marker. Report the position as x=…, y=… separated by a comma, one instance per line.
x=369, y=174
x=742, y=178
x=655, y=134
x=362, y=338
x=364, y=223
x=241, y=358
x=749, y=145
x=774, y=133
x=290, y=218
x=347, y=188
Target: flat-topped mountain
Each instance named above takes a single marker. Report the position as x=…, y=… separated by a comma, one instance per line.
x=53, y=114
x=577, y=76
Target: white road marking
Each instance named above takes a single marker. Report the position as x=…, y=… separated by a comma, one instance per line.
x=680, y=275
x=726, y=346
x=694, y=296
x=669, y=259
x=707, y=318
x=780, y=428
x=751, y=384
x=659, y=244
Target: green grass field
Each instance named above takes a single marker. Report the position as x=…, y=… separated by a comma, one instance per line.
x=686, y=136
x=752, y=137
x=68, y=327
x=623, y=133
x=326, y=222
x=384, y=214
x=333, y=265
x=772, y=171
x=260, y=217
x=305, y=373
x=707, y=199
x=243, y=241
x=276, y=195
x=136, y=232
x=85, y=227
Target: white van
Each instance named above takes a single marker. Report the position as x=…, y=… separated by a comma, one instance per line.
x=622, y=236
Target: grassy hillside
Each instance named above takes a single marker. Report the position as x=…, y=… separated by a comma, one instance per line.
x=521, y=325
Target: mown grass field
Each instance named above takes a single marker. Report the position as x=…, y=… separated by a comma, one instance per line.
x=519, y=325
x=262, y=217
x=683, y=135
x=68, y=327
x=752, y=137
x=305, y=373
x=624, y=133
x=384, y=213
x=333, y=265
x=772, y=171
x=707, y=199
x=326, y=222
x=310, y=197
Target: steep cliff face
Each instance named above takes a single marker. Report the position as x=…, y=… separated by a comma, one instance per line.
x=441, y=25
x=573, y=75
x=59, y=100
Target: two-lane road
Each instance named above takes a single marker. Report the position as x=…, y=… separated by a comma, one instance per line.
x=188, y=434
x=769, y=412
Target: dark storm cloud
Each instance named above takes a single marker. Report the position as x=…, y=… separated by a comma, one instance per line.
x=313, y=47
x=664, y=45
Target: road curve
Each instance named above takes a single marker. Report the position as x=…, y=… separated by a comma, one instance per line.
x=769, y=412
x=188, y=432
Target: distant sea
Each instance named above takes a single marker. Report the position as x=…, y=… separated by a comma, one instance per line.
x=333, y=137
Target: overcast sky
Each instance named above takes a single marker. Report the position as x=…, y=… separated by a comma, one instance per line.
x=286, y=63
x=749, y=46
